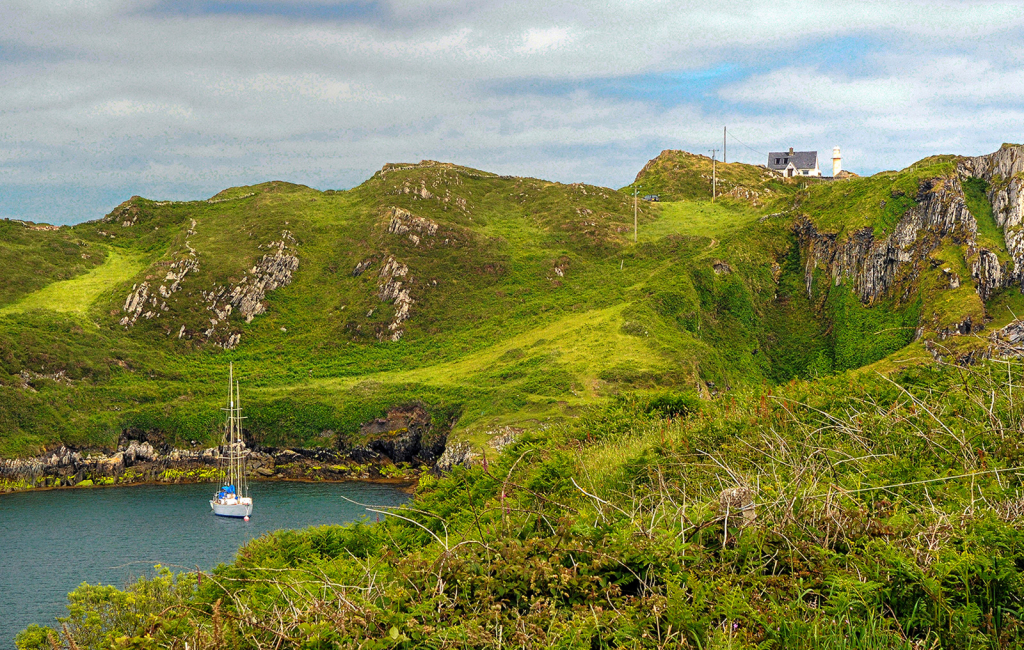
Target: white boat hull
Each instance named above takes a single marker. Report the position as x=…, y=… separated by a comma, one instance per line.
x=231, y=509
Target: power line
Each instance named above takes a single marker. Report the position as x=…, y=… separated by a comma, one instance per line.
x=763, y=153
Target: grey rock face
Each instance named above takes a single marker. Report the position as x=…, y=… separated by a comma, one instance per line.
x=941, y=214
x=391, y=290
x=503, y=437
x=874, y=265
x=1008, y=342
x=1004, y=172
x=455, y=455
x=403, y=222
x=135, y=303
x=987, y=274
x=271, y=272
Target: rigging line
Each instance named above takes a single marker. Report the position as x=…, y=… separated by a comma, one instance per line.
x=733, y=137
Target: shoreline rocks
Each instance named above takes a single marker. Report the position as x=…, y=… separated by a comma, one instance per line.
x=138, y=462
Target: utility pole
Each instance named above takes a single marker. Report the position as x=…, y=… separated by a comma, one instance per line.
x=725, y=137
x=714, y=175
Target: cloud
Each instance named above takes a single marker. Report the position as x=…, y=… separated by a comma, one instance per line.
x=805, y=89
x=542, y=40
x=182, y=99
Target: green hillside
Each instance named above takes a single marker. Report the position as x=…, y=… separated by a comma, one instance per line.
x=492, y=300
x=769, y=422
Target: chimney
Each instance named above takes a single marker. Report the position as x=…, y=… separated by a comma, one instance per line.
x=791, y=151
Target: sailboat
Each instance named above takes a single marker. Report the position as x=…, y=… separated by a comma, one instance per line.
x=232, y=499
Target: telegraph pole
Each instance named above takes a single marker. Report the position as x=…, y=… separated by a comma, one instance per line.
x=714, y=175
x=725, y=148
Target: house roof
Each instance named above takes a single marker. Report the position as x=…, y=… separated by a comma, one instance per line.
x=800, y=159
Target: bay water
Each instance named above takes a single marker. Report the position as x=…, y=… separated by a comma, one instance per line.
x=52, y=541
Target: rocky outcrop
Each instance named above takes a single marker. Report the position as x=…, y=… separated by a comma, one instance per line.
x=391, y=289
x=136, y=301
x=274, y=270
x=248, y=297
x=1008, y=342
x=436, y=182
x=403, y=222
x=405, y=435
x=988, y=275
x=1003, y=170
x=875, y=265
x=462, y=454
x=127, y=214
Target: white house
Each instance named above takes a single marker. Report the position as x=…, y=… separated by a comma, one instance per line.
x=794, y=163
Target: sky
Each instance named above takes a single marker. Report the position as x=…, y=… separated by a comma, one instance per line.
x=178, y=99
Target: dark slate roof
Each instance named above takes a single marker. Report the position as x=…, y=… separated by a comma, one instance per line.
x=800, y=159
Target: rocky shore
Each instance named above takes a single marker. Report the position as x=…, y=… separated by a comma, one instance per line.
x=399, y=446
x=141, y=463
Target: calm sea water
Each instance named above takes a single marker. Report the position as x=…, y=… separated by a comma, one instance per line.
x=51, y=542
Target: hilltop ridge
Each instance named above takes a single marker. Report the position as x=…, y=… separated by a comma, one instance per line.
x=492, y=301
x=676, y=175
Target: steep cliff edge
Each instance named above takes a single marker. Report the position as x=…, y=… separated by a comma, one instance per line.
x=1003, y=172
x=932, y=248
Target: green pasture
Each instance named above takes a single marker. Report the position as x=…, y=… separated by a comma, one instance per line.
x=723, y=218
x=80, y=293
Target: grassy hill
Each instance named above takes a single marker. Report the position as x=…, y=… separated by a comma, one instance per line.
x=735, y=433
x=492, y=300
x=682, y=176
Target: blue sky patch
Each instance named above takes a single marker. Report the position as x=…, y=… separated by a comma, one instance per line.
x=662, y=88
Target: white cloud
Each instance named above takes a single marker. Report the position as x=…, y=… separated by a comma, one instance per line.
x=804, y=89
x=114, y=94
x=126, y=107
x=542, y=40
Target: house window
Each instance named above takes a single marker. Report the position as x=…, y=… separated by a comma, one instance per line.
x=777, y=161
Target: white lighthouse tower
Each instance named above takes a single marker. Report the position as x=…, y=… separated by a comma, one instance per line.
x=837, y=162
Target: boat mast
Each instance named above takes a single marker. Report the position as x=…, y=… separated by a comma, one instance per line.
x=231, y=424
x=241, y=451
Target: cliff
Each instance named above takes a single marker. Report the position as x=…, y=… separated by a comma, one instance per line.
x=937, y=251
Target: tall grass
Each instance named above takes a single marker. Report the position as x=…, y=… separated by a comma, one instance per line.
x=852, y=512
